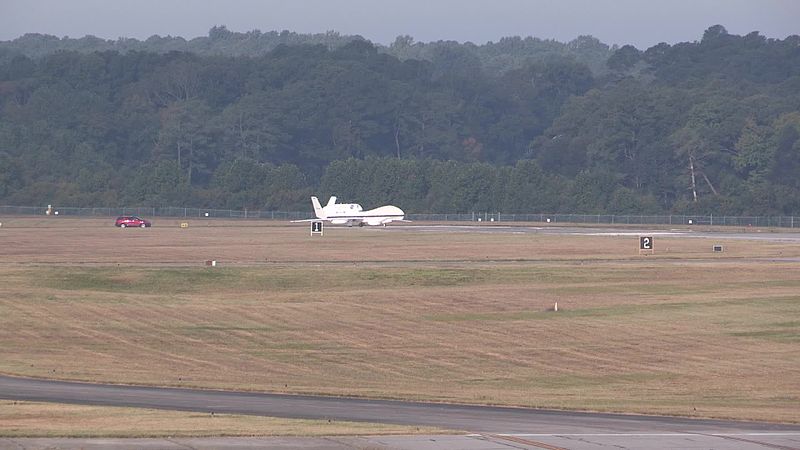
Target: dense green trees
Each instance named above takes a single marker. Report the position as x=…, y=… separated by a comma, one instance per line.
x=522, y=125
x=494, y=58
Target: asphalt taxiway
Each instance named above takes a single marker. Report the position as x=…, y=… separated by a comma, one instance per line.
x=485, y=427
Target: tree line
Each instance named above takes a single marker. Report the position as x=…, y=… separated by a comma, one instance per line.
x=508, y=53
x=711, y=126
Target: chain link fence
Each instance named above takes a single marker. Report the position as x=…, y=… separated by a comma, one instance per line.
x=168, y=211
x=601, y=219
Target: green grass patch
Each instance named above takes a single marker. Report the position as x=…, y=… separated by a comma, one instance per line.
x=777, y=300
x=610, y=311
x=145, y=281
x=423, y=277
x=777, y=331
x=627, y=288
x=776, y=305
x=172, y=281
x=584, y=381
x=569, y=381
x=227, y=328
x=774, y=335
x=766, y=283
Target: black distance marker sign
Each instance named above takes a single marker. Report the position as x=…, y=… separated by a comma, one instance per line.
x=316, y=227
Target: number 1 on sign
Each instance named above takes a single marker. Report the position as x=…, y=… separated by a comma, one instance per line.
x=316, y=228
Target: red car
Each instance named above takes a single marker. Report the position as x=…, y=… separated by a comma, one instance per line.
x=131, y=221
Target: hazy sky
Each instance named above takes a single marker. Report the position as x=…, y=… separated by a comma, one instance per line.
x=641, y=23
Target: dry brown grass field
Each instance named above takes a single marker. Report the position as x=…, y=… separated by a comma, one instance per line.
x=451, y=317
x=32, y=419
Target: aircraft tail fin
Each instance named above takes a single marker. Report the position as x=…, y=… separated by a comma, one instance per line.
x=317, y=207
x=331, y=201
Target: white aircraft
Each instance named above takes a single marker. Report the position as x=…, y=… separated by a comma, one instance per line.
x=352, y=214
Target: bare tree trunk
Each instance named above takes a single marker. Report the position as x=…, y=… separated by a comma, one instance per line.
x=191, y=157
x=257, y=149
x=242, y=137
x=709, y=184
x=349, y=137
x=191, y=160
x=694, y=184
x=422, y=141
x=397, y=137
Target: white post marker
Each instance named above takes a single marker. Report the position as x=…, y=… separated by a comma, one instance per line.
x=555, y=307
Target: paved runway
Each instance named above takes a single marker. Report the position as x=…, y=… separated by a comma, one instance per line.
x=640, y=230
x=492, y=427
